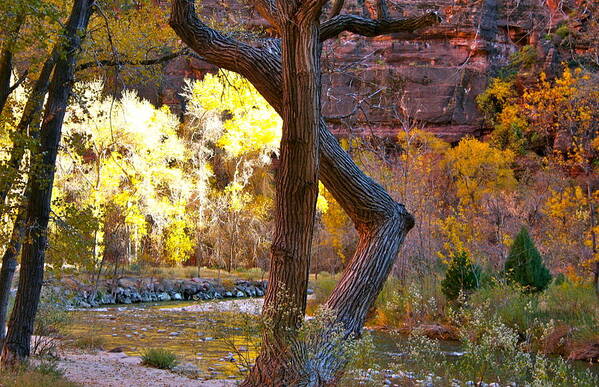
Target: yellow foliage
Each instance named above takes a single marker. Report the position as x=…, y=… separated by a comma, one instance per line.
x=322, y=205
x=336, y=223
x=251, y=125
x=572, y=205
x=457, y=234
x=479, y=169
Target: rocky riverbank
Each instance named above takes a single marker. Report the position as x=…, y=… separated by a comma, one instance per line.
x=75, y=293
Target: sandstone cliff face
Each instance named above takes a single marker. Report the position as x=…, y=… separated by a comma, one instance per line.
x=430, y=78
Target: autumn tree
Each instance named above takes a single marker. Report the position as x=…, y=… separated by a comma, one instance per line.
x=288, y=77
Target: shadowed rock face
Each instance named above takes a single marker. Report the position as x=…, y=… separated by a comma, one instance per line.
x=433, y=76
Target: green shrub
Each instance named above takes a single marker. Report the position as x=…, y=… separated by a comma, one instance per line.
x=414, y=301
x=572, y=303
x=562, y=31
x=462, y=276
x=524, y=264
x=159, y=358
x=492, y=353
x=90, y=341
x=524, y=58
x=515, y=308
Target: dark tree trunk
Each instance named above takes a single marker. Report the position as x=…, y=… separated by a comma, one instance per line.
x=9, y=265
x=20, y=327
x=29, y=120
x=381, y=222
x=5, y=73
x=296, y=192
x=6, y=57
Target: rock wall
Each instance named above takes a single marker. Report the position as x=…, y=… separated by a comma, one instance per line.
x=430, y=79
x=76, y=294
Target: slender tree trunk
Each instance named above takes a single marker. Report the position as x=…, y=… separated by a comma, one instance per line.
x=29, y=120
x=20, y=328
x=6, y=57
x=296, y=192
x=5, y=74
x=9, y=265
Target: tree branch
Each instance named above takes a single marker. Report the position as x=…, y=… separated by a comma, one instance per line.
x=144, y=62
x=19, y=81
x=370, y=28
x=257, y=65
x=267, y=9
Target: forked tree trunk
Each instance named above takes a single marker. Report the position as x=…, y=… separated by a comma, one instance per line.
x=296, y=193
x=20, y=328
x=381, y=222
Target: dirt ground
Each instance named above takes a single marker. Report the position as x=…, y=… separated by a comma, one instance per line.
x=119, y=370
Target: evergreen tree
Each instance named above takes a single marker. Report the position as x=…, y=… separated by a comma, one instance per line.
x=524, y=264
x=462, y=276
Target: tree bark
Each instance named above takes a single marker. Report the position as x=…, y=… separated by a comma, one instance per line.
x=5, y=73
x=296, y=192
x=9, y=265
x=6, y=56
x=20, y=328
x=381, y=222
x=29, y=122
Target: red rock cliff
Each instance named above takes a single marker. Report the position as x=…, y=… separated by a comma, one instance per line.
x=371, y=85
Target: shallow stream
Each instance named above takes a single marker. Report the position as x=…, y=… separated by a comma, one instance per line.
x=217, y=337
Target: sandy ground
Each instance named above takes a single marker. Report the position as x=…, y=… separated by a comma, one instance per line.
x=119, y=370
x=246, y=305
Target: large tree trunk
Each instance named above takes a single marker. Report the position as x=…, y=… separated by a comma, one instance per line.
x=296, y=193
x=20, y=328
x=29, y=120
x=9, y=265
x=381, y=222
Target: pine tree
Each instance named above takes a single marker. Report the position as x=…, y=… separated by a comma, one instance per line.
x=524, y=264
x=462, y=276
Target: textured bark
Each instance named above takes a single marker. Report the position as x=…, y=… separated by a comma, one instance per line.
x=9, y=265
x=370, y=27
x=381, y=222
x=296, y=191
x=20, y=327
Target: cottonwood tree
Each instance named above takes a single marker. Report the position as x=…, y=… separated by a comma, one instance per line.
x=287, y=73
x=17, y=343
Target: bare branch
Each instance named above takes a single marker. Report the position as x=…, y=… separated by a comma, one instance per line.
x=19, y=81
x=369, y=27
x=259, y=66
x=144, y=62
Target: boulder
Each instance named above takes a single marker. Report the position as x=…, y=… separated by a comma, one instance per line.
x=163, y=296
x=587, y=352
